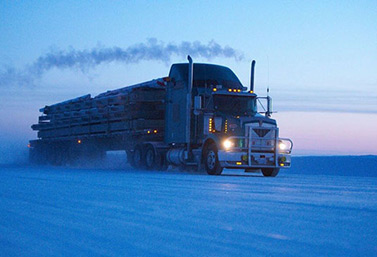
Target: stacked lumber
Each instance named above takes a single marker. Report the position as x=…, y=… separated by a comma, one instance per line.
x=129, y=109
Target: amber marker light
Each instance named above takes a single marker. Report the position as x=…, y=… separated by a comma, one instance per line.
x=229, y=90
x=214, y=89
x=155, y=131
x=79, y=141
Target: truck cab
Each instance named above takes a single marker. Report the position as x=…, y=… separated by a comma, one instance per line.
x=225, y=128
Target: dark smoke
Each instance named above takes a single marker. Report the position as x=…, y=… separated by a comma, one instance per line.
x=87, y=59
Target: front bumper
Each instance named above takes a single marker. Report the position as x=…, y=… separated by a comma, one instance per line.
x=253, y=160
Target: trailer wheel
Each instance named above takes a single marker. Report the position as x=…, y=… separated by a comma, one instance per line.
x=137, y=157
x=52, y=157
x=130, y=158
x=270, y=172
x=150, y=157
x=211, y=161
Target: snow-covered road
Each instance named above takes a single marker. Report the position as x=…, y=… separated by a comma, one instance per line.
x=85, y=212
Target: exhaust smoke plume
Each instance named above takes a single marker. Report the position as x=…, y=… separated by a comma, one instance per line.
x=87, y=59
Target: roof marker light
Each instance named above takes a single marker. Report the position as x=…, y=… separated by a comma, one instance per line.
x=230, y=90
x=214, y=89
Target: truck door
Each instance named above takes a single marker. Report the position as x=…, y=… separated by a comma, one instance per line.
x=175, y=123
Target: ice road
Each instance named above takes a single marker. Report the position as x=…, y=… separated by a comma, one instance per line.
x=49, y=211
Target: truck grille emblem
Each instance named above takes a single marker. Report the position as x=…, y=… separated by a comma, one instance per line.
x=261, y=132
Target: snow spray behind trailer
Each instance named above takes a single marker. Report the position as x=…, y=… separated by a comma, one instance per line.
x=199, y=116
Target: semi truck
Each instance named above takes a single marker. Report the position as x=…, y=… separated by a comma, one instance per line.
x=199, y=117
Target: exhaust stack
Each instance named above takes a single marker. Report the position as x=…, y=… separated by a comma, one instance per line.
x=252, y=76
x=188, y=109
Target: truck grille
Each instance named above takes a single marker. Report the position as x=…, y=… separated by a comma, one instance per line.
x=261, y=132
x=261, y=138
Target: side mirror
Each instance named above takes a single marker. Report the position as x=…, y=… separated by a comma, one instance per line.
x=197, y=104
x=268, y=110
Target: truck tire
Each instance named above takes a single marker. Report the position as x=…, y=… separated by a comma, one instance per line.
x=52, y=157
x=211, y=161
x=270, y=172
x=137, y=157
x=73, y=158
x=130, y=158
x=150, y=158
x=34, y=156
x=162, y=163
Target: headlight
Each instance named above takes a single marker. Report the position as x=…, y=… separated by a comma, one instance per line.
x=227, y=144
x=282, y=146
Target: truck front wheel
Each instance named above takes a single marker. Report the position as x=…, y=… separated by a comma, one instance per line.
x=211, y=161
x=270, y=172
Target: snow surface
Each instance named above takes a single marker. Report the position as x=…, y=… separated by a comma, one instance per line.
x=50, y=211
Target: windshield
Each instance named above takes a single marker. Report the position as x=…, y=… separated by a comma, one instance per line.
x=235, y=105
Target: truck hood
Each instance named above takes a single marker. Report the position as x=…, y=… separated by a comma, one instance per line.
x=256, y=119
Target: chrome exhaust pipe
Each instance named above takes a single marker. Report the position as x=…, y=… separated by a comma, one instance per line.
x=252, y=76
x=188, y=108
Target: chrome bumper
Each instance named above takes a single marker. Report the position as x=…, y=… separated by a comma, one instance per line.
x=252, y=151
x=242, y=159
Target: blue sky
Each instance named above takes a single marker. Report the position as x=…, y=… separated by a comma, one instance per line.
x=318, y=57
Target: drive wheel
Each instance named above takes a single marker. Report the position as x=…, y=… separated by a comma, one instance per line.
x=270, y=172
x=137, y=158
x=150, y=158
x=211, y=161
x=161, y=163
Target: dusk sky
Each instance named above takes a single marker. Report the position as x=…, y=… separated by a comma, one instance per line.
x=319, y=59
